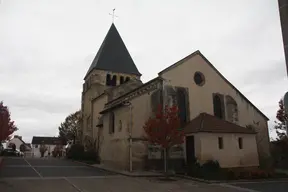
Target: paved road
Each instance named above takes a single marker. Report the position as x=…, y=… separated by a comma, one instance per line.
x=268, y=186
x=46, y=175
x=42, y=168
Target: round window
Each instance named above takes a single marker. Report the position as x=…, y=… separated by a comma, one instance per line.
x=199, y=78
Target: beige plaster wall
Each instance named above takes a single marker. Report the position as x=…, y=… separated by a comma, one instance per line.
x=200, y=97
x=230, y=155
x=114, y=149
x=118, y=142
x=94, y=85
x=98, y=105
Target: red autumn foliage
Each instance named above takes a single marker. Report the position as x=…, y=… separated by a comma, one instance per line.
x=281, y=115
x=7, y=127
x=165, y=128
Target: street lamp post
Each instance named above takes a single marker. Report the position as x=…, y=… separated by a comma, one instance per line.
x=128, y=103
x=163, y=108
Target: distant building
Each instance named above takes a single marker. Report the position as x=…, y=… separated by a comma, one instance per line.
x=283, y=10
x=50, y=142
x=17, y=140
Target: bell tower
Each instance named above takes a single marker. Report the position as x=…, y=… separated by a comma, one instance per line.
x=112, y=66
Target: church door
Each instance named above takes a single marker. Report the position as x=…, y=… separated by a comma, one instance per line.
x=190, y=149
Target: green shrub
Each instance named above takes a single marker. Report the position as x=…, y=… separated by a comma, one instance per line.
x=91, y=155
x=211, y=166
x=76, y=152
x=211, y=170
x=194, y=168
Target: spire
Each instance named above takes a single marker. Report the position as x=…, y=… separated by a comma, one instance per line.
x=113, y=55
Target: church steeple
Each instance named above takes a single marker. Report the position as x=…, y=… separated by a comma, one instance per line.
x=113, y=56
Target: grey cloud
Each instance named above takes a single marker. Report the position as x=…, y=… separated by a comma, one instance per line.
x=46, y=49
x=269, y=73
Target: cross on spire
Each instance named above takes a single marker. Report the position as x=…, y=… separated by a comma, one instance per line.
x=113, y=15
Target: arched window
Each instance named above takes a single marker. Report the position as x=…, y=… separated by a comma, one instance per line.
x=108, y=79
x=127, y=79
x=217, y=105
x=232, y=109
x=121, y=79
x=114, y=80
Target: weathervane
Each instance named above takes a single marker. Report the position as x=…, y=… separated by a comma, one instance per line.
x=113, y=15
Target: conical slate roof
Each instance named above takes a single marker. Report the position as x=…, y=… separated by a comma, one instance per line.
x=113, y=55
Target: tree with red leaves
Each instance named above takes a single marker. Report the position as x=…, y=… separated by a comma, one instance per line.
x=7, y=127
x=282, y=117
x=165, y=129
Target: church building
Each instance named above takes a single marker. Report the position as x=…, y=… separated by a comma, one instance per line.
x=220, y=123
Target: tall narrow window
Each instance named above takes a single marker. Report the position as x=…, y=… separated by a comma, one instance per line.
x=232, y=109
x=112, y=123
x=217, y=105
x=220, y=143
x=121, y=79
x=108, y=79
x=114, y=80
x=240, y=143
x=182, y=105
x=127, y=79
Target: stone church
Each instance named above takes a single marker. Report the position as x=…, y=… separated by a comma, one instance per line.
x=220, y=123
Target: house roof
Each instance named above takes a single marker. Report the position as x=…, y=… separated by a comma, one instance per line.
x=46, y=140
x=208, y=123
x=20, y=138
x=212, y=66
x=113, y=55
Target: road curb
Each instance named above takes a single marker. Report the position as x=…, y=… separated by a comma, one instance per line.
x=233, y=181
x=196, y=179
x=92, y=166
x=117, y=172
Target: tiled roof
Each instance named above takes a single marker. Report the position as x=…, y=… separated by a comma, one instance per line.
x=208, y=123
x=113, y=55
x=46, y=140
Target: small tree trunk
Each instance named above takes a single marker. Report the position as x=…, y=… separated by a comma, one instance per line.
x=166, y=156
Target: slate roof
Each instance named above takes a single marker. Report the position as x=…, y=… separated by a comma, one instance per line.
x=46, y=140
x=208, y=123
x=113, y=55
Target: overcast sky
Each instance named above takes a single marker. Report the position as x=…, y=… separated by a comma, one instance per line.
x=46, y=47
